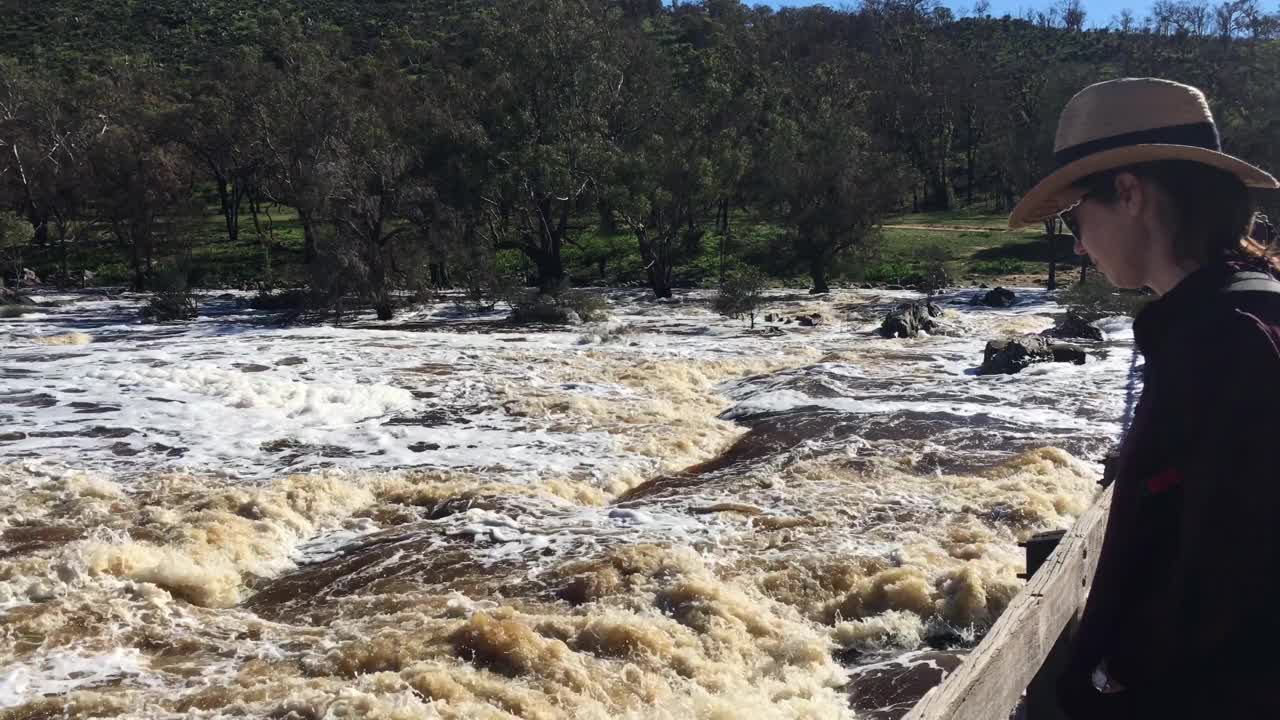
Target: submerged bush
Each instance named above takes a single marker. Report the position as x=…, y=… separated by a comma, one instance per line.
x=742, y=294
x=171, y=305
x=1095, y=298
x=292, y=299
x=590, y=307
x=567, y=308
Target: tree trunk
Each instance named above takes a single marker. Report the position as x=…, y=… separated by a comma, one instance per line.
x=439, y=278
x=818, y=272
x=658, y=268
x=139, y=277
x=308, y=237
x=230, y=200
x=546, y=253
x=40, y=227
x=549, y=270
x=62, y=251
x=1051, y=232
x=608, y=225
x=939, y=190
x=660, y=289
x=971, y=159
x=724, y=236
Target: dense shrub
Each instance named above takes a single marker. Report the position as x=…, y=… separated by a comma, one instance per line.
x=1095, y=298
x=169, y=305
x=742, y=294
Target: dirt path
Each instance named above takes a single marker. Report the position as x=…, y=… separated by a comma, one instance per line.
x=948, y=228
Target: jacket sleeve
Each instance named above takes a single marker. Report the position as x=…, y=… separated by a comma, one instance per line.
x=1109, y=592
x=1223, y=576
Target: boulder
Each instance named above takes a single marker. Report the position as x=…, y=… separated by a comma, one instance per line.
x=1006, y=357
x=810, y=320
x=909, y=319
x=1074, y=326
x=12, y=297
x=28, y=278
x=998, y=297
x=768, y=317
x=888, y=689
x=545, y=313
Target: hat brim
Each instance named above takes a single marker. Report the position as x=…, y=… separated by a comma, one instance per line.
x=1058, y=192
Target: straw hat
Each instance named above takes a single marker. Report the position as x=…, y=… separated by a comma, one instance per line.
x=1119, y=123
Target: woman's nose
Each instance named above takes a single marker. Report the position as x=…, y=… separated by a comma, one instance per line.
x=1079, y=248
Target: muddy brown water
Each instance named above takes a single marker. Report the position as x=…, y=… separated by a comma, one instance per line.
x=816, y=524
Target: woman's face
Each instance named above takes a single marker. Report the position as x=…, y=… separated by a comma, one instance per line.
x=1111, y=234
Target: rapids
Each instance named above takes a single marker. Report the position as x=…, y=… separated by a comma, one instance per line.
x=668, y=515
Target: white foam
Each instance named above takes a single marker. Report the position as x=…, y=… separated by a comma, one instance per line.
x=61, y=672
x=252, y=400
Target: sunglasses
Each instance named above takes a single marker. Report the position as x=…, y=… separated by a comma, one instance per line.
x=1071, y=219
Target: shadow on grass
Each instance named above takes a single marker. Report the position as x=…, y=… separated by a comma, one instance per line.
x=1034, y=251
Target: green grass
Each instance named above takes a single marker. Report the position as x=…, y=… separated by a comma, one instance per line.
x=594, y=257
x=967, y=255
x=211, y=260
x=978, y=216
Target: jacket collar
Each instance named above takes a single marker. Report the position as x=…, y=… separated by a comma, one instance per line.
x=1154, y=323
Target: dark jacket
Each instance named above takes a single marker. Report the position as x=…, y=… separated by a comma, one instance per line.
x=1185, y=607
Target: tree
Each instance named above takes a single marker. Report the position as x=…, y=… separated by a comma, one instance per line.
x=915, y=88
x=214, y=120
x=547, y=96
x=1052, y=228
x=47, y=128
x=825, y=177
x=741, y=294
x=298, y=118
x=15, y=233
x=1124, y=22
x=375, y=183
x=678, y=153
x=1072, y=14
x=140, y=186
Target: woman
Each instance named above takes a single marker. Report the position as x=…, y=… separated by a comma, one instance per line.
x=1183, y=619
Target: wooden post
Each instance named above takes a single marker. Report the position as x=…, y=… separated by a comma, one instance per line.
x=1042, y=692
x=1039, y=547
x=994, y=677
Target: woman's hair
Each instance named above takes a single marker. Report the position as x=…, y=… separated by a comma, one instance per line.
x=1209, y=211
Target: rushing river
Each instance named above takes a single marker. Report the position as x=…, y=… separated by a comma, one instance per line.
x=665, y=516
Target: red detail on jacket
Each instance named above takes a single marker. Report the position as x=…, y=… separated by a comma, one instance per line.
x=1164, y=480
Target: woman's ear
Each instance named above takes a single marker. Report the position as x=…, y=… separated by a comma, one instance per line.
x=1131, y=194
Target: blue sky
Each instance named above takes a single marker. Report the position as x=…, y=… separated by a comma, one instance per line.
x=1099, y=12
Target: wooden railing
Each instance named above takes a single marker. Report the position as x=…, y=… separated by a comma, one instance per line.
x=1024, y=650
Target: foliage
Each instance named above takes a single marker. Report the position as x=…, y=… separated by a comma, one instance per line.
x=741, y=294
x=567, y=308
x=589, y=306
x=292, y=299
x=15, y=234
x=379, y=150
x=1002, y=266
x=170, y=305
x=1095, y=299
x=935, y=275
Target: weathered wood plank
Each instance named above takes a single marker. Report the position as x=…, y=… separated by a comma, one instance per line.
x=991, y=680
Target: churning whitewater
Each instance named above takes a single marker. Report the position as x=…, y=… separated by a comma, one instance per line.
x=670, y=515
